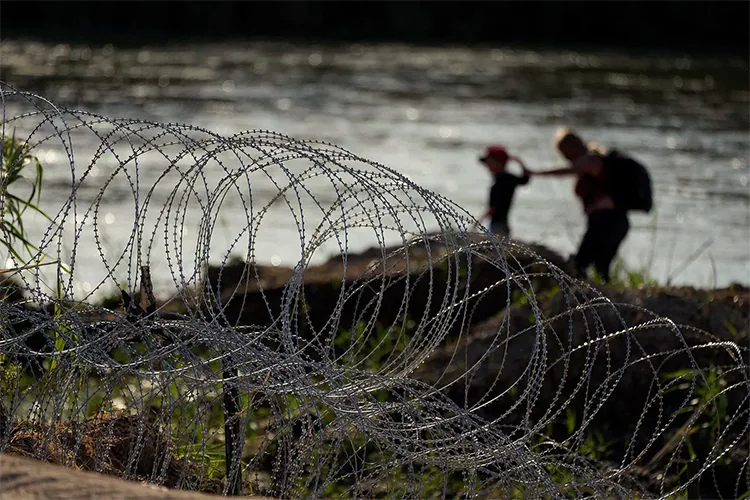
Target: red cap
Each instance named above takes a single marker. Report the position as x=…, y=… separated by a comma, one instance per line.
x=497, y=152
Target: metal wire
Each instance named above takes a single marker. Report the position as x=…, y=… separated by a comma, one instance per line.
x=442, y=363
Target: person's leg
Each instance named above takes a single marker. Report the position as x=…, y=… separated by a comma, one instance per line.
x=615, y=226
x=588, y=249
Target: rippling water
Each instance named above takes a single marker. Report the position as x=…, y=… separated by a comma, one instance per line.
x=429, y=112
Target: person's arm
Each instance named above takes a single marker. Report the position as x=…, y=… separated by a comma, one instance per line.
x=488, y=214
x=524, y=179
x=558, y=172
x=588, y=164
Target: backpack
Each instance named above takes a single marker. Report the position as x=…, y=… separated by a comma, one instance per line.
x=628, y=182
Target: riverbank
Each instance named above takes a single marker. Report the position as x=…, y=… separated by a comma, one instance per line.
x=621, y=375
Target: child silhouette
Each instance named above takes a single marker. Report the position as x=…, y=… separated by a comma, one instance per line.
x=503, y=189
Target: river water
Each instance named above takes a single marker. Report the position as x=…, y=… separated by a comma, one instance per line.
x=428, y=113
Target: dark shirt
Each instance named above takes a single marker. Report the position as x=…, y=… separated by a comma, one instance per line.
x=590, y=189
x=501, y=194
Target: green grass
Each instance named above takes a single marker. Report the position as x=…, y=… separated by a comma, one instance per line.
x=623, y=278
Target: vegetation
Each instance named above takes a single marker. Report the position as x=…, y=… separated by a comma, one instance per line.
x=623, y=278
x=20, y=172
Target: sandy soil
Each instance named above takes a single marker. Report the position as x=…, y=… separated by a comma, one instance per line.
x=27, y=479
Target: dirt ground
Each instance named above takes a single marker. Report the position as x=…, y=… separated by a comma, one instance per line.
x=27, y=479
